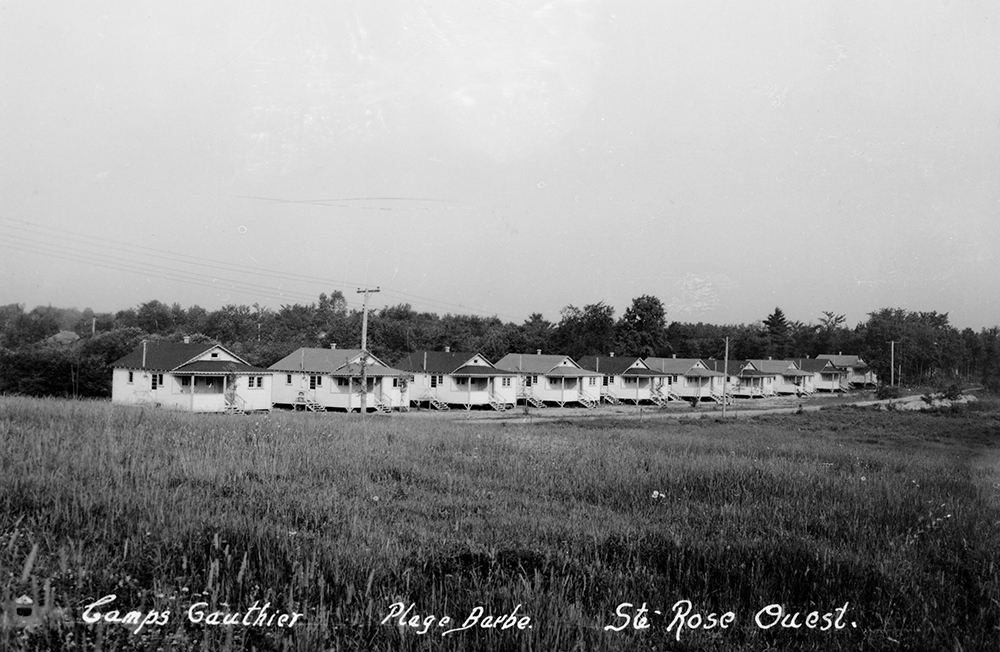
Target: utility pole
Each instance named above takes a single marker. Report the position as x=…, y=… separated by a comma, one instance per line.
x=725, y=381
x=364, y=350
x=892, y=362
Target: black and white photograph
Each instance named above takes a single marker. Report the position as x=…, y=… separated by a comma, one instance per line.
x=514, y=325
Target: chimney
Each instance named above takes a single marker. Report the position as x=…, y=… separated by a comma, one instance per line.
x=673, y=355
x=187, y=339
x=447, y=349
x=144, y=354
x=538, y=351
x=768, y=357
x=425, y=360
x=333, y=345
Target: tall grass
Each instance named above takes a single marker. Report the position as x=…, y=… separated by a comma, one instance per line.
x=338, y=517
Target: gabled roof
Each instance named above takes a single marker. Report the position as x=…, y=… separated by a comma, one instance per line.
x=167, y=356
x=748, y=370
x=545, y=365
x=376, y=370
x=681, y=366
x=452, y=363
x=817, y=365
x=320, y=361
x=570, y=372
x=720, y=365
x=844, y=360
x=480, y=371
x=220, y=367
x=781, y=367
x=609, y=365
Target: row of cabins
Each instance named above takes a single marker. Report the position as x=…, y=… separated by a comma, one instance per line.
x=210, y=378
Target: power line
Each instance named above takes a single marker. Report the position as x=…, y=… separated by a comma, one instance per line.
x=230, y=267
x=233, y=286
x=170, y=255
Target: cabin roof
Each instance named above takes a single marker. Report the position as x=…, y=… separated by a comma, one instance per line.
x=681, y=366
x=534, y=363
x=318, y=361
x=167, y=356
x=844, y=361
x=441, y=362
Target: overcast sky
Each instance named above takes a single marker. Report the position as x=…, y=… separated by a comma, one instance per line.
x=504, y=157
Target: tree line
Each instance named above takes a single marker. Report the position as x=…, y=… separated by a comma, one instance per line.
x=923, y=346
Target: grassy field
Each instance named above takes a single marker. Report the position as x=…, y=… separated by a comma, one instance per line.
x=895, y=515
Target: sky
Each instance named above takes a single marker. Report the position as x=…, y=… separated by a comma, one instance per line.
x=504, y=157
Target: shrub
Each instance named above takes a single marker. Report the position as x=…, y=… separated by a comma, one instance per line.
x=952, y=392
x=883, y=392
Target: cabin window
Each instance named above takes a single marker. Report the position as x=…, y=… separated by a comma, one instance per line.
x=288, y=379
x=185, y=381
x=593, y=382
x=527, y=381
x=606, y=381
x=215, y=355
x=395, y=382
x=505, y=382
x=255, y=382
x=437, y=380
x=130, y=378
x=462, y=382
x=157, y=380
x=630, y=381
x=315, y=381
x=343, y=382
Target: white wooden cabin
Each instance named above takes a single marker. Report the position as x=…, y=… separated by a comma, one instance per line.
x=857, y=371
x=191, y=377
x=331, y=379
x=442, y=379
x=547, y=379
x=625, y=379
x=826, y=376
x=687, y=379
x=788, y=379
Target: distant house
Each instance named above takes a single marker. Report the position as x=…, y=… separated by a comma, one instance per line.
x=63, y=337
x=445, y=378
x=321, y=379
x=193, y=377
x=859, y=374
x=827, y=377
x=687, y=379
x=788, y=379
x=624, y=378
x=551, y=379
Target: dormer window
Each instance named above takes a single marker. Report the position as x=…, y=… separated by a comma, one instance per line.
x=215, y=354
